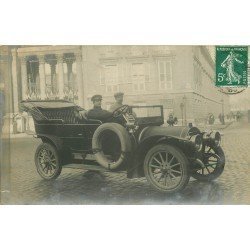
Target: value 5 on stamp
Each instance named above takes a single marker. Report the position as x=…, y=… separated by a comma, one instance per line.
x=231, y=66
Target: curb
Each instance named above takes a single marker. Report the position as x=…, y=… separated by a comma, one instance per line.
x=17, y=136
x=228, y=125
x=225, y=126
x=217, y=128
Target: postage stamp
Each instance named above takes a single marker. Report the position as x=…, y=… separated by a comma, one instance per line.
x=231, y=66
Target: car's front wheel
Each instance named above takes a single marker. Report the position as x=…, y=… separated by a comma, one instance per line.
x=166, y=168
x=214, y=163
x=47, y=161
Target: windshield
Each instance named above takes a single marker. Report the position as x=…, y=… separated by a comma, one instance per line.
x=147, y=111
x=149, y=115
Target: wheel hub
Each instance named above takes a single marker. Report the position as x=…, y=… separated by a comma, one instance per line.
x=47, y=161
x=166, y=170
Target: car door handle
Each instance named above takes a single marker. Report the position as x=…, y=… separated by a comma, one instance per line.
x=80, y=134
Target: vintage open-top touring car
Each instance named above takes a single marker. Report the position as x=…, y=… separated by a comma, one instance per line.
x=134, y=141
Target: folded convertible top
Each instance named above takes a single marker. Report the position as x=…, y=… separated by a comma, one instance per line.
x=49, y=109
x=48, y=104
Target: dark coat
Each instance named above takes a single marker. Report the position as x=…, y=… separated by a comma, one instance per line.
x=99, y=114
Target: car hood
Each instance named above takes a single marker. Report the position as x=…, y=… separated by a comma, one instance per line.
x=172, y=131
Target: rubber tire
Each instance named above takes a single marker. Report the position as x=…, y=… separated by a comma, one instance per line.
x=181, y=158
x=58, y=165
x=126, y=145
x=218, y=170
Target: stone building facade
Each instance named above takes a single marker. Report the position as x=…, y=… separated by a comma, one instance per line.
x=5, y=80
x=47, y=72
x=178, y=77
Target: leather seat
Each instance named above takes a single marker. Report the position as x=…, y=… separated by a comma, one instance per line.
x=68, y=115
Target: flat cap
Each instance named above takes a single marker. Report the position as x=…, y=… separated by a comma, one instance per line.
x=96, y=97
x=118, y=94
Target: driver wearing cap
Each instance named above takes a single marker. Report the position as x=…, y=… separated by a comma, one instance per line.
x=97, y=112
x=118, y=101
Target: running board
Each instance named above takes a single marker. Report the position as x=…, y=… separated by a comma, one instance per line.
x=85, y=167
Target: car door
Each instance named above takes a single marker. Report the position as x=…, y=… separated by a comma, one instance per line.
x=78, y=136
x=72, y=135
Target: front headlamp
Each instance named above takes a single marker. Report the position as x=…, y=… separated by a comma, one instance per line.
x=216, y=137
x=197, y=140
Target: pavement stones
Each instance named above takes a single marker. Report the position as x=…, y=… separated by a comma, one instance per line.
x=76, y=187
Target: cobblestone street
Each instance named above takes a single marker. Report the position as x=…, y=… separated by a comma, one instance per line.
x=73, y=187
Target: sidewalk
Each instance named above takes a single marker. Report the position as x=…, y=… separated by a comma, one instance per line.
x=19, y=135
x=216, y=126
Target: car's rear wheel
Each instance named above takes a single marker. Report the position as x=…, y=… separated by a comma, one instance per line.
x=214, y=162
x=47, y=161
x=166, y=168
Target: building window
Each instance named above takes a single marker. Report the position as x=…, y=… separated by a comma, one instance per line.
x=51, y=80
x=165, y=75
x=33, y=78
x=109, y=77
x=112, y=88
x=138, y=76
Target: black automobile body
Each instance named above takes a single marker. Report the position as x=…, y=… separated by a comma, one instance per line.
x=134, y=140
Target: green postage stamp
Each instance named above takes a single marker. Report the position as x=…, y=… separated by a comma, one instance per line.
x=231, y=66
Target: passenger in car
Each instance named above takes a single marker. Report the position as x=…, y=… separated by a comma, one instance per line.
x=97, y=112
x=118, y=101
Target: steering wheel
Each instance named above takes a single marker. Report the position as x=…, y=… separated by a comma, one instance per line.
x=123, y=109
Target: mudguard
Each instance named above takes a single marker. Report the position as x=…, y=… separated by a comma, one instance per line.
x=54, y=140
x=150, y=136
x=180, y=132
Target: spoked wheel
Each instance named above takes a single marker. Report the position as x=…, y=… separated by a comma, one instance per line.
x=47, y=162
x=214, y=161
x=166, y=168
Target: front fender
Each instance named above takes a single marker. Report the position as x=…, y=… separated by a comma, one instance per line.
x=178, y=132
x=54, y=140
x=136, y=169
x=64, y=153
x=184, y=145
